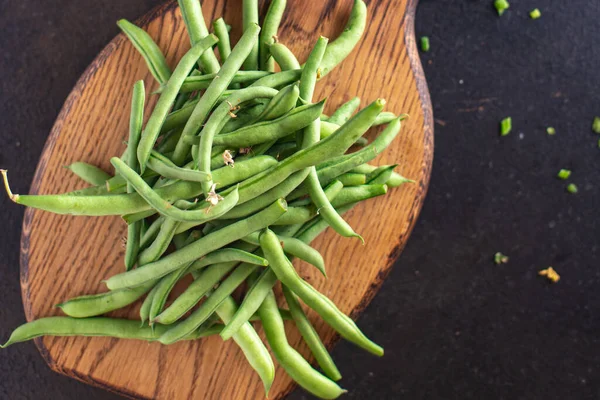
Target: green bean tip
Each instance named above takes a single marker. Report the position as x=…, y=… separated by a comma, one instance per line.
x=11, y=195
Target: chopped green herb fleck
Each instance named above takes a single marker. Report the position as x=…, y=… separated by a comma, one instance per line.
x=596, y=125
x=500, y=258
x=501, y=6
x=564, y=174
x=550, y=130
x=572, y=188
x=425, y=43
x=598, y=143
x=505, y=126
x=535, y=13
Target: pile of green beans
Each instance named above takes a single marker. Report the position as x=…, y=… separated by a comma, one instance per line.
x=204, y=188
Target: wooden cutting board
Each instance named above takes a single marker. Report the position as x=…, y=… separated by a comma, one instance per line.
x=65, y=256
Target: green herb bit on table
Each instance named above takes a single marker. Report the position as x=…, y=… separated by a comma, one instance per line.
x=572, y=188
x=596, y=125
x=505, y=126
x=425, y=43
x=535, y=13
x=500, y=258
x=501, y=6
x=550, y=130
x=564, y=174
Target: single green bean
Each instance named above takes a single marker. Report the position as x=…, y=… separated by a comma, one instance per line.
x=322, y=305
x=339, y=49
x=344, y=112
x=155, y=60
x=203, y=214
x=314, y=228
x=224, y=44
x=146, y=305
x=151, y=232
x=269, y=32
x=163, y=288
x=353, y=194
x=136, y=121
x=279, y=79
x=331, y=191
x=266, y=131
x=89, y=173
x=167, y=98
x=352, y=179
x=385, y=118
x=227, y=255
x=191, y=11
x=215, y=90
x=253, y=348
x=395, y=179
x=293, y=363
x=252, y=301
x=202, y=82
x=165, y=167
x=284, y=57
x=202, y=246
x=381, y=175
x=250, y=19
x=310, y=336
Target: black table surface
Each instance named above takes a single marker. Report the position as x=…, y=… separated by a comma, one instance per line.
x=454, y=324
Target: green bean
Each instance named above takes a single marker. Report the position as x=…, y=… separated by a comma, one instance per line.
x=211, y=127
x=353, y=194
x=296, y=215
x=269, y=32
x=224, y=45
x=101, y=303
x=228, y=255
x=165, y=167
x=93, y=191
x=339, y=49
x=296, y=248
x=253, y=348
x=201, y=82
x=89, y=173
x=308, y=79
x=117, y=184
x=209, y=306
x=278, y=79
x=214, y=91
x=136, y=121
x=191, y=11
x=146, y=305
x=132, y=203
x=259, y=202
x=314, y=228
x=98, y=326
x=167, y=97
x=395, y=179
x=266, y=131
x=148, y=236
x=280, y=150
x=352, y=179
x=322, y=305
x=250, y=19
x=381, y=175
x=284, y=57
x=310, y=336
x=252, y=301
x=154, y=58
x=281, y=104
x=385, y=118
x=202, y=246
x=177, y=119
x=293, y=363
x=344, y=112
x=324, y=150
x=245, y=116
x=203, y=214
x=331, y=191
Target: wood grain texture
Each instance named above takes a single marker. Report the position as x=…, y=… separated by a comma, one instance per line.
x=64, y=256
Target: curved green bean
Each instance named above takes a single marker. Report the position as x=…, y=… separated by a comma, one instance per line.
x=163, y=288
x=281, y=104
x=202, y=246
x=215, y=90
x=167, y=98
x=293, y=363
x=284, y=57
x=322, y=305
x=269, y=32
x=155, y=60
x=89, y=173
x=381, y=175
x=339, y=49
x=344, y=112
x=165, y=167
x=310, y=336
x=191, y=11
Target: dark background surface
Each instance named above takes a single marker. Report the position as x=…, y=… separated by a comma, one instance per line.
x=454, y=324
